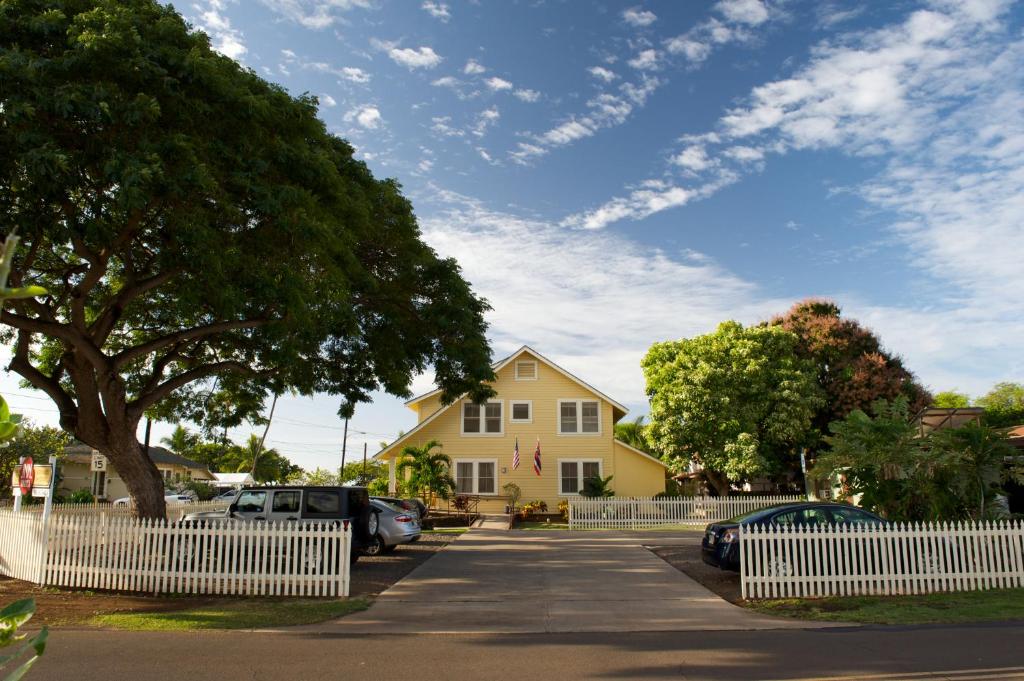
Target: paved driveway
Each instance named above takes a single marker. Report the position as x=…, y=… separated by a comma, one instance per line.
x=535, y=582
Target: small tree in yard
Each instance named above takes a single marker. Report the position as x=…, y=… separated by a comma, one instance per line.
x=429, y=471
x=597, y=487
x=192, y=222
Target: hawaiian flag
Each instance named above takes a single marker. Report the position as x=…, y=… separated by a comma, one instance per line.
x=515, y=456
x=536, y=458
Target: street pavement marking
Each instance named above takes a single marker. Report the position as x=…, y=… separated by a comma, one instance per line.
x=948, y=675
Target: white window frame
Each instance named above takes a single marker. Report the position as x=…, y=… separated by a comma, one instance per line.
x=476, y=476
x=483, y=420
x=536, y=370
x=512, y=410
x=579, y=470
x=578, y=401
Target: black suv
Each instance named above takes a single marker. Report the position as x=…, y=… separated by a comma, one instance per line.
x=306, y=504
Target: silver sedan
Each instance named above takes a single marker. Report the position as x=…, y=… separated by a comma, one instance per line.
x=396, y=526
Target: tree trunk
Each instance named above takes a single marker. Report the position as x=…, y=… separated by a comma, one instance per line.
x=138, y=472
x=719, y=481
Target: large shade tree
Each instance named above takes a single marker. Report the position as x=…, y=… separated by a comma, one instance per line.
x=192, y=221
x=738, y=401
x=852, y=367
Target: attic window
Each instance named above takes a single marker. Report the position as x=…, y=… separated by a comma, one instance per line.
x=526, y=370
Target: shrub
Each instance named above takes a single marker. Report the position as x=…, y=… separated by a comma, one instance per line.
x=513, y=493
x=536, y=506
x=563, y=508
x=81, y=496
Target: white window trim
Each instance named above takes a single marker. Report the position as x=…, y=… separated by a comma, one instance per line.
x=512, y=410
x=476, y=476
x=536, y=370
x=579, y=463
x=462, y=420
x=579, y=417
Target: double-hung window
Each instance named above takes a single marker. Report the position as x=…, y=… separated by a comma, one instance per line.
x=482, y=419
x=520, y=411
x=572, y=473
x=476, y=476
x=579, y=417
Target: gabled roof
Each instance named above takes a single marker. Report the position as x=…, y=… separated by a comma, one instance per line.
x=156, y=454
x=501, y=364
x=496, y=367
x=641, y=453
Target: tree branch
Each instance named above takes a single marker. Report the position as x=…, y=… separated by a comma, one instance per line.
x=104, y=324
x=49, y=384
x=138, y=351
x=143, y=402
x=64, y=332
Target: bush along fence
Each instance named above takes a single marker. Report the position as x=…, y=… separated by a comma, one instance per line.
x=788, y=562
x=160, y=556
x=635, y=513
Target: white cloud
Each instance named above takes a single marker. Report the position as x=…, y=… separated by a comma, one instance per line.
x=438, y=10
x=527, y=95
x=223, y=37
x=567, y=132
x=366, y=116
x=315, y=14
x=419, y=58
x=646, y=60
x=442, y=125
x=486, y=119
x=752, y=12
x=327, y=101
x=602, y=73
x=425, y=166
x=354, y=74
x=473, y=67
x=498, y=84
x=634, y=16
x=447, y=81
x=694, y=50
x=694, y=158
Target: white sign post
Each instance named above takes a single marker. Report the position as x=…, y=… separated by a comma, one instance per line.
x=99, y=463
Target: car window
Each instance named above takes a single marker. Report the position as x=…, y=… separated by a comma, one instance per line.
x=786, y=518
x=251, y=502
x=286, y=501
x=815, y=516
x=323, y=501
x=852, y=516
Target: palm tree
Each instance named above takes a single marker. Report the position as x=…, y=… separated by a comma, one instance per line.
x=254, y=459
x=978, y=455
x=634, y=434
x=429, y=471
x=181, y=441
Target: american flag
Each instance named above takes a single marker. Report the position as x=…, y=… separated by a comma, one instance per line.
x=536, y=458
x=515, y=456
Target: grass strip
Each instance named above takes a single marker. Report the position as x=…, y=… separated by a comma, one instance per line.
x=995, y=605
x=248, y=613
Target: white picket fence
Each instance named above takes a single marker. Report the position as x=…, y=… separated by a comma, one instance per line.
x=784, y=562
x=220, y=557
x=174, y=510
x=636, y=513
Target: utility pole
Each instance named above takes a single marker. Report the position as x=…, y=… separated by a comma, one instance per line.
x=344, y=442
x=364, y=463
x=149, y=427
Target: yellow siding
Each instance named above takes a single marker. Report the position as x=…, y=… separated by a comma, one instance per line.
x=636, y=476
x=544, y=392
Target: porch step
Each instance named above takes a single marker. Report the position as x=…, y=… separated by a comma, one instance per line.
x=492, y=522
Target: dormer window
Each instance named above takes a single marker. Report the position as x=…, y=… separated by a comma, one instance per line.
x=526, y=370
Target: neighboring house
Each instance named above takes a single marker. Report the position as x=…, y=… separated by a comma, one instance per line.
x=536, y=399
x=236, y=480
x=76, y=472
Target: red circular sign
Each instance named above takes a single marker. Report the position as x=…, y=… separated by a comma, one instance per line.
x=28, y=475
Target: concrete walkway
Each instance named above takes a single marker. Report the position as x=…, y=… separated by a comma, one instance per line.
x=540, y=581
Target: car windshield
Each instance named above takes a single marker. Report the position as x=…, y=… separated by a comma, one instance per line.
x=753, y=515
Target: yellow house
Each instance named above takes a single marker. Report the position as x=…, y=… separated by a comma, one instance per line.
x=537, y=403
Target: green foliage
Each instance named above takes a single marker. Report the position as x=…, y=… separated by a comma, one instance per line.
x=9, y=423
x=738, y=401
x=513, y=493
x=203, y=491
x=634, y=434
x=563, y=508
x=12, y=618
x=532, y=507
x=948, y=474
x=194, y=222
x=81, y=496
x=596, y=486
x=429, y=472
x=319, y=477
x=950, y=399
x=1004, y=405
x=354, y=472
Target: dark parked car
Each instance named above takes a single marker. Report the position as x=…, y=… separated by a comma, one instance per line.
x=720, y=546
x=304, y=504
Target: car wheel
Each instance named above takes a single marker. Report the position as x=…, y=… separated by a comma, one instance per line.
x=376, y=546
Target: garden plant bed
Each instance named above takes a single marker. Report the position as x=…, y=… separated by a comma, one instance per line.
x=71, y=607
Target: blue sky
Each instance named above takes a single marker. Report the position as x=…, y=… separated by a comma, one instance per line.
x=614, y=174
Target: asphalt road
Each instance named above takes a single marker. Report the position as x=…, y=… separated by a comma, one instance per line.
x=961, y=653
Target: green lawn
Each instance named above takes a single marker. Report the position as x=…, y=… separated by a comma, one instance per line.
x=447, y=530
x=961, y=607
x=236, y=614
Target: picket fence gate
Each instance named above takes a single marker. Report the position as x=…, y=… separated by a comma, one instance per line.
x=157, y=556
x=636, y=513
x=902, y=558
